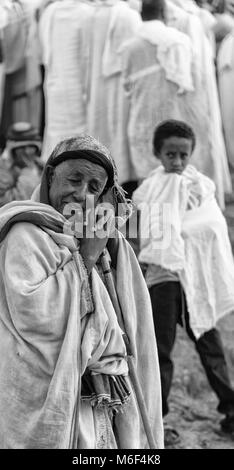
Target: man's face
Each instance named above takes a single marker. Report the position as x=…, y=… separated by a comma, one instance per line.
x=175, y=154
x=74, y=180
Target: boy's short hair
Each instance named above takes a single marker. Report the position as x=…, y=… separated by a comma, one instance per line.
x=170, y=128
x=152, y=9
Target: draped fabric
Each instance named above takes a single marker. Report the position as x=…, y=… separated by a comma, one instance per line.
x=149, y=66
x=202, y=110
x=54, y=325
x=113, y=24
x=65, y=29
x=173, y=52
x=191, y=239
x=225, y=66
x=21, y=64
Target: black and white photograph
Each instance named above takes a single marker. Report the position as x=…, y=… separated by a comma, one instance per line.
x=116, y=230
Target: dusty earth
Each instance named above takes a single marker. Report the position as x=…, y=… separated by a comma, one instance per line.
x=192, y=402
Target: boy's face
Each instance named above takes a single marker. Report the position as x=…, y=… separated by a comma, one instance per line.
x=175, y=154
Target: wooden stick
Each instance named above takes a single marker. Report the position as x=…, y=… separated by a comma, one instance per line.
x=132, y=372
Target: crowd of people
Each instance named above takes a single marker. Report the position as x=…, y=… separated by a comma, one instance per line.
x=110, y=110
x=71, y=67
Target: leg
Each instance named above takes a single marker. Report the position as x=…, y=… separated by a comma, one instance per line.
x=210, y=349
x=166, y=305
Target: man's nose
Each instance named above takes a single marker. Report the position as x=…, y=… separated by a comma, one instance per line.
x=82, y=192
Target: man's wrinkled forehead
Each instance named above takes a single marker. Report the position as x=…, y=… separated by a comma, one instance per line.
x=81, y=167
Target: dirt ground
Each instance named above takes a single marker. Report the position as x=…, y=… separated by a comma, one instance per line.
x=192, y=402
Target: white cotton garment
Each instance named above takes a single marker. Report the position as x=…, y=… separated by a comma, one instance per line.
x=114, y=23
x=52, y=329
x=202, y=110
x=157, y=82
x=225, y=66
x=173, y=52
x=198, y=247
x=65, y=29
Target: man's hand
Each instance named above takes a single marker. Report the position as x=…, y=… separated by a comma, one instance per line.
x=91, y=249
x=98, y=228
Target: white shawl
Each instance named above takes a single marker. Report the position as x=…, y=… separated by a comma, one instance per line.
x=192, y=242
x=174, y=52
x=118, y=31
x=51, y=330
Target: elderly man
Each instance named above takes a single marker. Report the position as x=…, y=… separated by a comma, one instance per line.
x=64, y=369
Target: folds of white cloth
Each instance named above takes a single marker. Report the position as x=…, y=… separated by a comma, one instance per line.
x=64, y=32
x=174, y=52
x=203, y=108
x=184, y=231
x=225, y=58
x=122, y=20
x=225, y=67
x=54, y=327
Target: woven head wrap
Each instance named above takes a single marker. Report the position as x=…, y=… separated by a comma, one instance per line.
x=88, y=148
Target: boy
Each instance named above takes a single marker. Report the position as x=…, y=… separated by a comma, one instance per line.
x=190, y=269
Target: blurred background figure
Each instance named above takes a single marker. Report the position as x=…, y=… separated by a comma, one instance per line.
x=203, y=107
x=224, y=19
x=65, y=29
x=20, y=164
x=156, y=76
x=225, y=66
x=21, y=78
x=114, y=22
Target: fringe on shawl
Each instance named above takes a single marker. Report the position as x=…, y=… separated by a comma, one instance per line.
x=109, y=390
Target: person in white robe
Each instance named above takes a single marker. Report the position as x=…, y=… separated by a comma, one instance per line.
x=13, y=32
x=29, y=107
x=114, y=22
x=207, y=18
x=211, y=156
x=64, y=30
x=156, y=77
x=21, y=64
x=225, y=67
x=3, y=22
